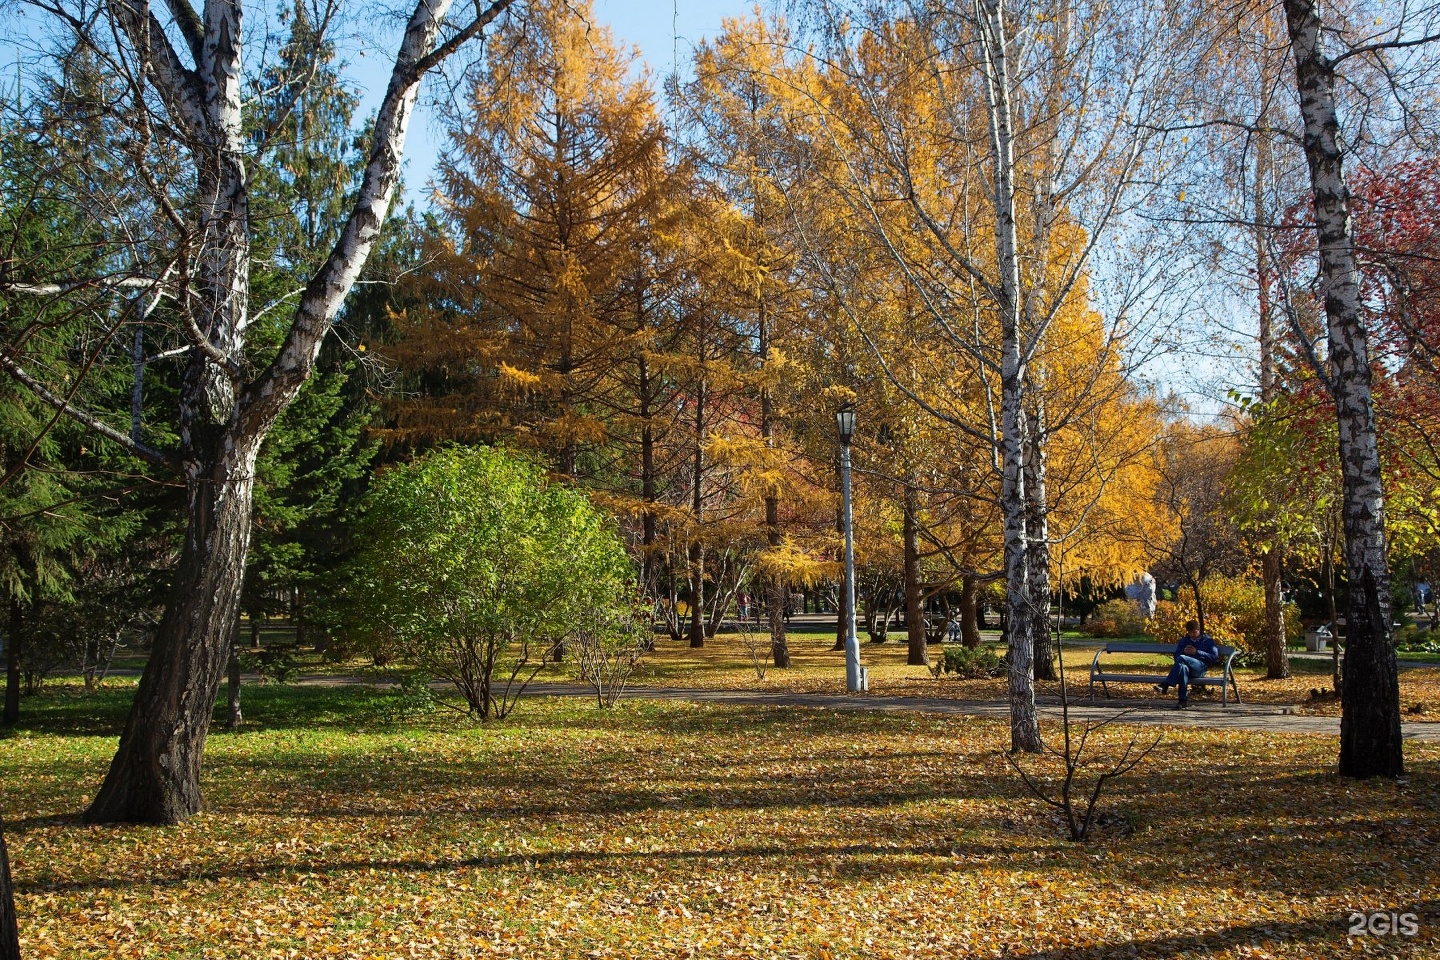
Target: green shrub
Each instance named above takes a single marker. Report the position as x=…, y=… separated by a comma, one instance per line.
x=412, y=696
x=1251, y=660
x=1415, y=638
x=477, y=569
x=973, y=664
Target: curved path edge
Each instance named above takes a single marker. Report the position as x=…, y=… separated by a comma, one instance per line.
x=1265, y=718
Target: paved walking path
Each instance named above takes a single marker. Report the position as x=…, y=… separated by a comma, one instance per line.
x=1157, y=712
x=1204, y=714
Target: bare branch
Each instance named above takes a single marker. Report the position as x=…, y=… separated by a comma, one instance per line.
x=267, y=396
x=188, y=22
x=144, y=451
x=72, y=286
x=178, y=85
x=1363, y=49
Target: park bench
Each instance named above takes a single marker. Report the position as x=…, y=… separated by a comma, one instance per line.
x=1097, y=673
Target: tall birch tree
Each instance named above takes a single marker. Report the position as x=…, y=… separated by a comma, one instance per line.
x=991, y=151
x=1370, y=741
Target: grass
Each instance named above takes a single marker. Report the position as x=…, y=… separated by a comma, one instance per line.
x=334, y=828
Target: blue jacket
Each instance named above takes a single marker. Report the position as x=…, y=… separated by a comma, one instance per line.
x=1205, y=649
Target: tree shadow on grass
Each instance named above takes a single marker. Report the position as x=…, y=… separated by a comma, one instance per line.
x=70, y=711
x=1279, y=859
x=524, y=781
x=845, y=860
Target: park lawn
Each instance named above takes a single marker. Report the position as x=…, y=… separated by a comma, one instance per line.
x=725, y=663
x=334, y=828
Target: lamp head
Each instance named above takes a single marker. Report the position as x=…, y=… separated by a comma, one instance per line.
x=845, y=422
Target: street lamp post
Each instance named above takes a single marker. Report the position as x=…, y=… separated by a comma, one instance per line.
x=856, y=680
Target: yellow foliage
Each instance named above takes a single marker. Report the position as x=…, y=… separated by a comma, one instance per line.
x=520, y=379
x=792, y=564
x=1234, y=614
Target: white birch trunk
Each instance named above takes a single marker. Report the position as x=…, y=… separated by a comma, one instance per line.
x=1024, y=723
x=1370, y=742
x=1037, y=532
x=155, y=775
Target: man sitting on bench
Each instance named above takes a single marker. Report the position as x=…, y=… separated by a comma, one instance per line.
x=1195, y=652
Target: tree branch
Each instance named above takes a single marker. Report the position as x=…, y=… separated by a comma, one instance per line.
x=1386, y=45
x=61, y=289
x=141, y=450
x=188, y=22
x=177, y=84
x=327, y=289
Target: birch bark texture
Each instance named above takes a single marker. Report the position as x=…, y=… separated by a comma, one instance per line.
x=192, y=68
x=1024, y=722
x=1370, y=743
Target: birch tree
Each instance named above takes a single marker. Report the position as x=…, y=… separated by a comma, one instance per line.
x=186, y=241
x=1398, y=48
x=991, y=151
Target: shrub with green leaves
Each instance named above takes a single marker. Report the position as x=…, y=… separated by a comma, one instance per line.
x=973, y=664
x=476, y=568
x=1417, y=638
x=412, y=696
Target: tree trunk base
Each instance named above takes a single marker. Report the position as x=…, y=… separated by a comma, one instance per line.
x=779, y=642
x=9, y=927
x=1370, y=739
x=155, y=775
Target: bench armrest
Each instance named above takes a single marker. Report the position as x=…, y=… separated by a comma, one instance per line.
x=1229, y=661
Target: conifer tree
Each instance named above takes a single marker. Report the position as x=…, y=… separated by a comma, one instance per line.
x=547, y=192
x=742, y=126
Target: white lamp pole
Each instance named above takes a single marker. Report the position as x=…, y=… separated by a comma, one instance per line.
x=855, y=679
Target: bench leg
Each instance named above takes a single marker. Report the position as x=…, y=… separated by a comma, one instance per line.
x=1236, y=686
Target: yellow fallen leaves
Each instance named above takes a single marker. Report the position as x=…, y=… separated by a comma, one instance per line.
x=677, y=830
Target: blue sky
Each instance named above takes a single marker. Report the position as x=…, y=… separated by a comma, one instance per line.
x=654, y=25
x=663, y=30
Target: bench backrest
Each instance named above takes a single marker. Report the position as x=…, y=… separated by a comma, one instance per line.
x=1153, y=648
